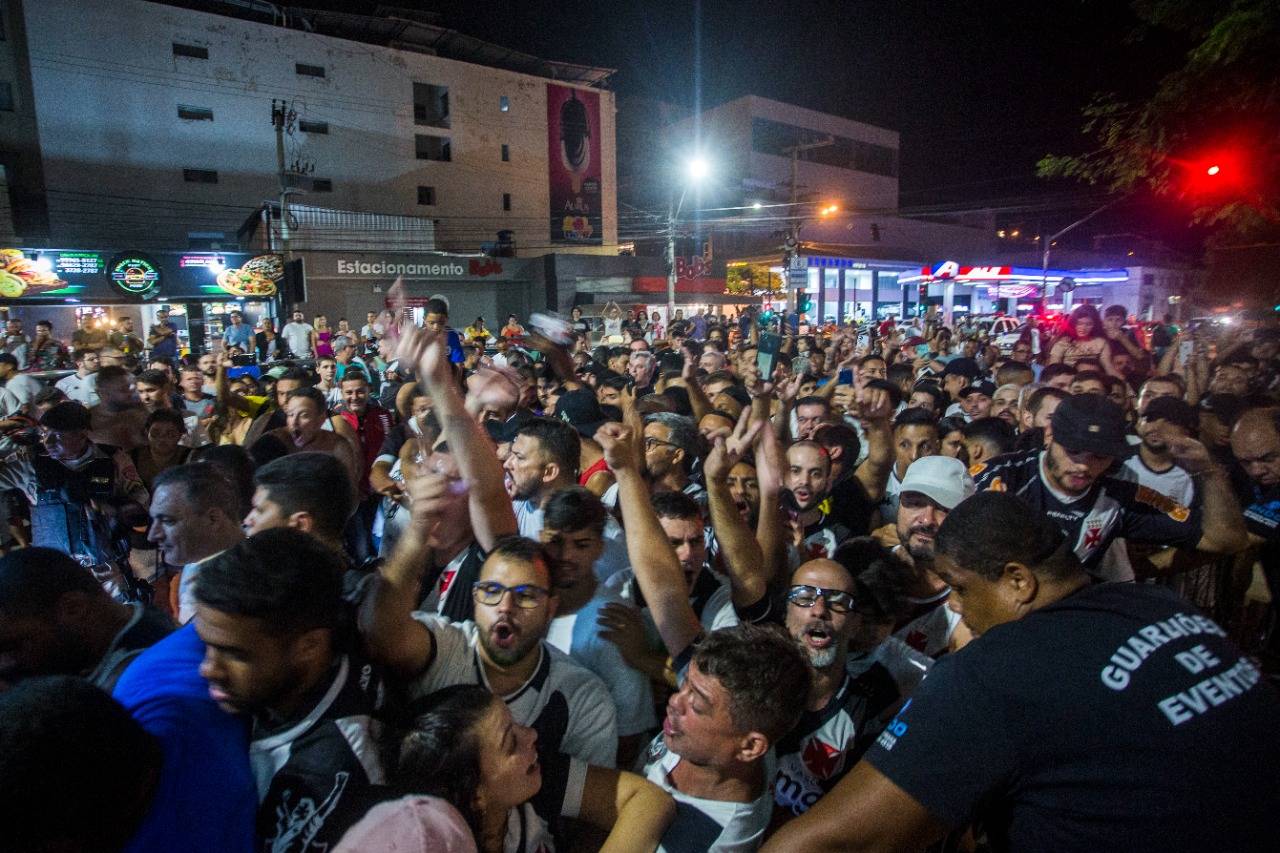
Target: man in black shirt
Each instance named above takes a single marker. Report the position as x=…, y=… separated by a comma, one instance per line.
x=1083, y=717
x=269, y=612
x=1072, y=482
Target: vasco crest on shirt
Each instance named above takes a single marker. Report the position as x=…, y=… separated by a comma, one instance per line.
x=822, y=760
x=1093, y=532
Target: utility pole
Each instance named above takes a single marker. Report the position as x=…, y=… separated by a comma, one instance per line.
x=279, y=118
x=793, y=242
x=1046, y=289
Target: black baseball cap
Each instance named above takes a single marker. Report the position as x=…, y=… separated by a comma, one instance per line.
x=1177, y=412
x=982, y=386
x=67, y=416
x=966, y=367
x=581, y=411
x=1091, y=423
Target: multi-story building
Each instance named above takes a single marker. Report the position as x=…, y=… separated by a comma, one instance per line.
x=149, y=125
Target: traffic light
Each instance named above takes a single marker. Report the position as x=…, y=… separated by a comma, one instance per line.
x=1218, y=172
x=803, y=303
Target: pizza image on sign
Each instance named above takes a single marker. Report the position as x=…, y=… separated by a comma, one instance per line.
x=256, y=279
x=18, y=274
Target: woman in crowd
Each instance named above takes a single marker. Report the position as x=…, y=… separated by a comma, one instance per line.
x=1083, y=338
x=321, y=338
x=467, y=750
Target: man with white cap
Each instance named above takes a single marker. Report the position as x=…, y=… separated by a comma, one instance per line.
x=932, y=487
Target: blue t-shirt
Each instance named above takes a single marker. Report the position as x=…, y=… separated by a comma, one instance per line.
x=238, y=336
x=168, y=347
x=206, y=799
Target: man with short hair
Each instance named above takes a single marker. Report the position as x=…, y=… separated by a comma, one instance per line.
x=987, y=438
x=16, y=343
x=238, y=333
x=1069, y=481
x=310, y=492
x=915, y=436
x=56, y=619
x=1004, y=405
x=327, y=380
x=807, y=479
x=741, y=688
x=193, y=517
x=672, y=444
x=119, y=419
x=194, y=399
x=154, y=391
x=269, y=611
x=46, y=352
x=1089, y=382
x=298, y=334
x=82, y=386
x=370, y=424
x=125, y=339
x=573, y=536
x=1255, y=443
x=1167, y=385
x=18, y=389
x=975, y=400
x=811, y=413
x=1040, y=407
x=163, y=337
x=1153, y=684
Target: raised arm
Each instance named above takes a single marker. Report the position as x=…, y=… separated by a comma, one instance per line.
x=769, y=529
x=1222, y=529
x=491, y=513
x=391, y=635
x=655, y=563
x=743, y=558
x=698, y=400
x=874, y=412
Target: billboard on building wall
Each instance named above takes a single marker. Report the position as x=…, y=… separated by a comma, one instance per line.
x=573, y=149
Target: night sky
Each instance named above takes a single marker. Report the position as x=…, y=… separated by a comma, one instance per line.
x=979, y=90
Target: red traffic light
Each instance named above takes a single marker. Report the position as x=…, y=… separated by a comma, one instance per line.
x=1213, y=170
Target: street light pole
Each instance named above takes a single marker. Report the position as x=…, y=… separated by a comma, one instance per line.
x=1045, y=287
x=696, y=170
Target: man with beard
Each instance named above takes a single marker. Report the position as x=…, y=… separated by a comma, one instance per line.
x=807, y=475
x=1070, y=483
x=1004, y=405
x=207, y=364
x=269, y=612
x=503, y=647
x=1078, y=719
x=370, y=424
x=839, y=719
x=976, y=399
x=574, y=539
x=544, y=459
x=915, y=436
x=1255, y=442
x=672, y=445
x=933, y=487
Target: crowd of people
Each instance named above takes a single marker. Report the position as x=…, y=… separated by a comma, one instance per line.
x=708, y=584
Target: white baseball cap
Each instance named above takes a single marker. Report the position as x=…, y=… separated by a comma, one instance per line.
x=942, y=479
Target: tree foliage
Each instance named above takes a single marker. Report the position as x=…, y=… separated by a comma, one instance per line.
x=1225, y=97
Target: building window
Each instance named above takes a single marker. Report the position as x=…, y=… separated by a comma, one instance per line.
x=194, y=113
x=200, y=176
x=6, y=97
x=313, y=126
x=190, y=51
x=506, y=153
x=427, y=195
x=430, y=105
x=321, y=185
x=777, y=138
x=305, y=70
x=506, y=201
x=427, y=147
x=504, y=104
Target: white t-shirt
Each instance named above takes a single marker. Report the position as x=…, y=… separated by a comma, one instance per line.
x=298, y=337
x=19, y=391
x=612, y=561
x=714, y=826
x=1175, y=483
x=83, y=390
x=568, y=705
x=711, y=598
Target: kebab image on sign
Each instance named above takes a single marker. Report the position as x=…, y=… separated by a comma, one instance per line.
x=256, y=279
x=19, y=274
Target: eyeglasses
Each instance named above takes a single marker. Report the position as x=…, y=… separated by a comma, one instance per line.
x=527, y=595
x=837, y=600
x=650, y=443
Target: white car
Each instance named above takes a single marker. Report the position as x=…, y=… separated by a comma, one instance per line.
x=1005, y=332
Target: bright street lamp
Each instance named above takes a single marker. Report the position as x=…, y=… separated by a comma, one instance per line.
x=697, y=170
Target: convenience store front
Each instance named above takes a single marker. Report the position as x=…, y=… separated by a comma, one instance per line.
x=101, y=287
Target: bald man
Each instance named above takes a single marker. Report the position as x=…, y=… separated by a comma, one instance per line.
x=1255, y=442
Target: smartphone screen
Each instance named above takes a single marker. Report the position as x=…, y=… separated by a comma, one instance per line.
x=767, y=355
x=845, y=378
x=922, y=350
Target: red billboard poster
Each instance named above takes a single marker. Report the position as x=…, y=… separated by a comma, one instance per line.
x=573, y=149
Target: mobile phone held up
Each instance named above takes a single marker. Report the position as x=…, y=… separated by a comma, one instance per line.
x=845, y=377
x=767, y=354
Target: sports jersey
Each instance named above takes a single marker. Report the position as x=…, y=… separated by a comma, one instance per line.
x=578, y=635
x=929, y=630
x=318, y=776
x=710, y=597
x=530, y=825
x=714, y=826
x=1176, y=483
x=1117, y=718
x=1115, y=505
x=449, y=587
x=892, y=493
x=371, y=429
x=825, y=744
x=820, y=538
x=568, y=706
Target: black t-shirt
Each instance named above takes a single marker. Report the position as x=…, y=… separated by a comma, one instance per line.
x=1117, y=718
x=851, y=506
x=1116, y=505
